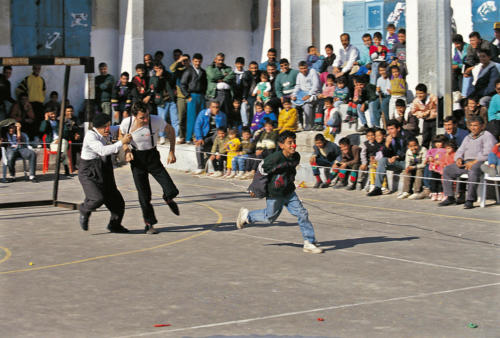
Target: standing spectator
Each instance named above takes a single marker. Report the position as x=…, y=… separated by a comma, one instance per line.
x=378, y=54
x=34, y=86
x=122, y=97
x=158, y=57
x=391, y=37
x=50, y=128
x=104, y=83
x=220, y=79
x=496, y=40
x=348, y=54
x=493, y=125
x=271, y=58
x=369, y=149
x=5, y=92
x=381, y=106
x=367, y=97
x=22, y=112
x=272, y=71
x=468, y=160
x=74, y=135
x=141, y=82
x=424, y=107
x=15, y=142
x=332, y=120
x=162, y=91
x=398, y=52
x=205, y=130
x=53, y=102
x=193, y=87
x=394, y=154
x=285, y=81
x=410, y=123
x=397, y=90
x=148, y=64
x=307, y=88
x=459, y=54
x=239, y=71
x=249, y=81
x=325, y=154
x=484, y=77
x=178, y=68
x=415, y=164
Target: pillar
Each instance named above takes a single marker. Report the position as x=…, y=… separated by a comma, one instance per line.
x=296, y=30
x=131, y=34
x=331, y=20
x=428, y=47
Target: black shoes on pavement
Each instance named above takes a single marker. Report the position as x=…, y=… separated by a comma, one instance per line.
x=84, y=221
x=173, y=206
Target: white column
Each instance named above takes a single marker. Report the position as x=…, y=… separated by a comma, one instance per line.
x=296, y=30
x=331, y=21
x=132, y=33
x=428, y=47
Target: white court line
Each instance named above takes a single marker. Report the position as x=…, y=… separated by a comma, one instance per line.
x=334, y=307
x=384, y=257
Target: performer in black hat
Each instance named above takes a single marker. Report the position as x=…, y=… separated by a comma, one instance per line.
x=144, y=159
x=96, y=174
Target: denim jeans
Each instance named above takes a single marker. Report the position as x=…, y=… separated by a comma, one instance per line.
x=361, y=115
x=194, y=106
x=383, y=165
x=376, y=109
x=239, y=162
x=273, y=209
x=169, y=110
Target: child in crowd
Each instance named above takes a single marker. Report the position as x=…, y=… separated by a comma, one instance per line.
x=415, y=165
x=141, y=82
x=352, y=109
x=247, y=149
x=218, y=150
x=267, y=116
x=397, y=90
x=369, y=149
x=435, y=158
x=325, y=155
x=378, y=54
x=328, y=91
x=347, y=167
x=234, y=116
x=411, y=123
x=288, y=118
x=381, y=106
x=375, y=154
x=341, y=92
x=257, y=117
x=473, y=108
x=392, y=36
x=332, y=120
x=314, y=60
x=492, y=168
x=232, y=148
x=266, y=140
x=264, y=86
x=424, y=107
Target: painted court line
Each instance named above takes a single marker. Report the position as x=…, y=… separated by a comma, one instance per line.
x=345, y=251
x=334, y=307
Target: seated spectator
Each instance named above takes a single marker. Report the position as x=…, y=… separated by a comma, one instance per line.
x=394, y=154
x=22, y=112
x=381, y=105
x=493, y=125
x=328, y=90
x=397, y=90
x=15, y=142
x=341, y=92
x=368, y=95
x=75, y=135
x=50, y=128
x=409, y=124
x=347, y=165
x=348, y=55
x=452, y=131
x=288, y=118
x=468, y=160
x=205, y=131
x=414, y=171
x=53, y=102
x=332, y=120
x=268, y=115
x=262, y=88
x=257, y=117
x=122, y=97
x=459, y=54
x=492, y=168
x=325, y=154
x=392, y=37
x=484, y=77
x=473, y=108
x=266, y=139
x=234, y=116
x=424, y=107
x=364, y=63
x=314, y=59
x=435, y=159
x=218, y=151
x=305, y=93
x=285, y=80
x=378, y=54
x=239, y=164
x=327, y=66
x=232, y=148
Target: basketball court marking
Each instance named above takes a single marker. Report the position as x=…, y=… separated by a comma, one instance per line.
x=7, y=254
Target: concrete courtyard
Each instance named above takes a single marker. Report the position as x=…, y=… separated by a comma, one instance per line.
x=390, y=269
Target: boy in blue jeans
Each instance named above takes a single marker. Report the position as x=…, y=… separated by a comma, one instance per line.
x=280, y=168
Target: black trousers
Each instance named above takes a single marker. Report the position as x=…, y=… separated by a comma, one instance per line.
x=225, y=100
x=98, y=183
x=428, y=131
x=148, y=162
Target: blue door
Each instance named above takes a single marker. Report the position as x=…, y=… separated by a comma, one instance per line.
x=50, y=27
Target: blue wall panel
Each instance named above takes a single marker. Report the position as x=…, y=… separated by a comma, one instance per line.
x=23, y=23
x=77, y=25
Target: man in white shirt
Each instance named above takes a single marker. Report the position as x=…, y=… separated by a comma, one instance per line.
x=346, y=57
x=304, y=95
x=144, y=159
x=96, y=175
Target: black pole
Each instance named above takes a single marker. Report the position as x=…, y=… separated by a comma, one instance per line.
x=61, y=129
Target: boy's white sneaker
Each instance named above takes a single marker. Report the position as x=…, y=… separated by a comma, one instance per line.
x=242, y=218
x=311, y=248
x=385, y=191
x=217, y=174
x=414, y=196
x=163, y=140
x=198, y=172
x=369, y=187
x=403, y=195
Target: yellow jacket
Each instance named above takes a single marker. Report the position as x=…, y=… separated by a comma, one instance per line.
x=287, y=120
x=34, y=87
